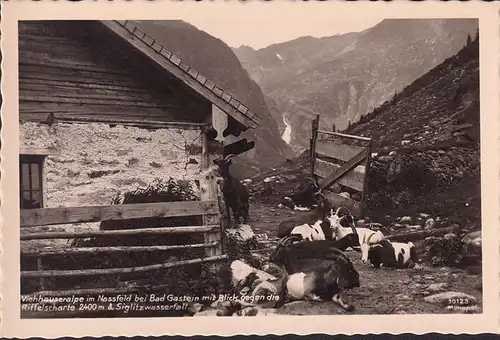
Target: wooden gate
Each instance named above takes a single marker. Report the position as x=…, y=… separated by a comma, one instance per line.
x=342, y=159
x=52, y=216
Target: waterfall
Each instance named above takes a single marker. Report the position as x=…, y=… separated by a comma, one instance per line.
x=287, y=134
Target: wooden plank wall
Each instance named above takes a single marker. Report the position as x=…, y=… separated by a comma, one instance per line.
x=88, y=74
x=333, y=150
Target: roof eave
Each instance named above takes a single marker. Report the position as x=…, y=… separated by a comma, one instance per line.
x=169, y=62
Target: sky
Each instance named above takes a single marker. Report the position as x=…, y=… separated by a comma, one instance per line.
x=252, y=26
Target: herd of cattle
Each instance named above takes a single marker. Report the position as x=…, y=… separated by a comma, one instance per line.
x=312, y=244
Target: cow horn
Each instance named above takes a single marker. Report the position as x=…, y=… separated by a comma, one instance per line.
x=319, y=193
x=228, y=157
x=344, y=209
x=281, y=244
x=312, y=180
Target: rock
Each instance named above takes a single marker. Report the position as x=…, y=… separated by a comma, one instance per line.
x=335, y=188
x=264, y=290
x=437, y=287
x=451, y=298
x=243, y=233
x=384, y=159
x=345, y=194
x=261, y=237
x=405, y=220
x=240, y=272
x=402, y=297
x=194, y=308
x=430, y=223
x=449, y=236
x=256, y=311
x=209, y=312
x=269, y=179
x=473, y=242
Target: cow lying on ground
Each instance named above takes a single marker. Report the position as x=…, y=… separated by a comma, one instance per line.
x=317, y=271
x=303, y=200
x=342, y=224
x=320, y=213
x=391, y=254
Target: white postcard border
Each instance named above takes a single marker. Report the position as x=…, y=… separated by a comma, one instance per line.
x=488, y=321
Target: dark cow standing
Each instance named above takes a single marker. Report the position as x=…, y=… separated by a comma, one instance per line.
x=235, y=193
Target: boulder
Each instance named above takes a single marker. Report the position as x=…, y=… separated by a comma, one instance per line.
x=240, y=272
x=430, y=223
x=451, y=298
x=360, y=223
x=345, y=194
x=472, y=242
x=242, y=233
x=405, y=220
x=437, y=287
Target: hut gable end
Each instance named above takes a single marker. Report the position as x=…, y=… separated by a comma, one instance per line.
x=79, y=70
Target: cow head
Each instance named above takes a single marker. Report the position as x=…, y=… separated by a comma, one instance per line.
x=348, y=276
x=342, y=223
x=224, y=164
x=374, y=255
x=349, y=240
x=323, y=205
x=280, y=253
x=318, y=233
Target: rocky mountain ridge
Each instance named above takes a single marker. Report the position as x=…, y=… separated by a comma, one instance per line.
x=346, y=76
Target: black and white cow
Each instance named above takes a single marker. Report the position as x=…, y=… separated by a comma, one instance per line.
x=317, y=270
x=393, y=254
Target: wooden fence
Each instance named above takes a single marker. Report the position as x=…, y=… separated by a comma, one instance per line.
x=211, y=229
x=342, y=159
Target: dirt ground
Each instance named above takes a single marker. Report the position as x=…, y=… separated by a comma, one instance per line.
x=382, y=291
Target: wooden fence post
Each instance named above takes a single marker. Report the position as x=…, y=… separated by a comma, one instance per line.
x=365, y=182
x=39, y=265
x=212, y=193
x=314, y=136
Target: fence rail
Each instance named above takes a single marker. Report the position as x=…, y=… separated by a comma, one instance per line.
x=211, y=231
x=51, y=216
x=113, y=271
x=124, y=232
x=121, y=249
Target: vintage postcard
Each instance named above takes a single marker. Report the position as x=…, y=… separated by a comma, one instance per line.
x=329, y=166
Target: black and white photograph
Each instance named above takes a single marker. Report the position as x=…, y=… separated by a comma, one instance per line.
x=194, y=166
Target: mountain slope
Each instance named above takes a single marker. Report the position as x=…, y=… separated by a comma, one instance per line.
x=345, y=76
x=215, y=60
x=428, y=144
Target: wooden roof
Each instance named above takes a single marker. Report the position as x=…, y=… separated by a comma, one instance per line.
x=175, y=66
